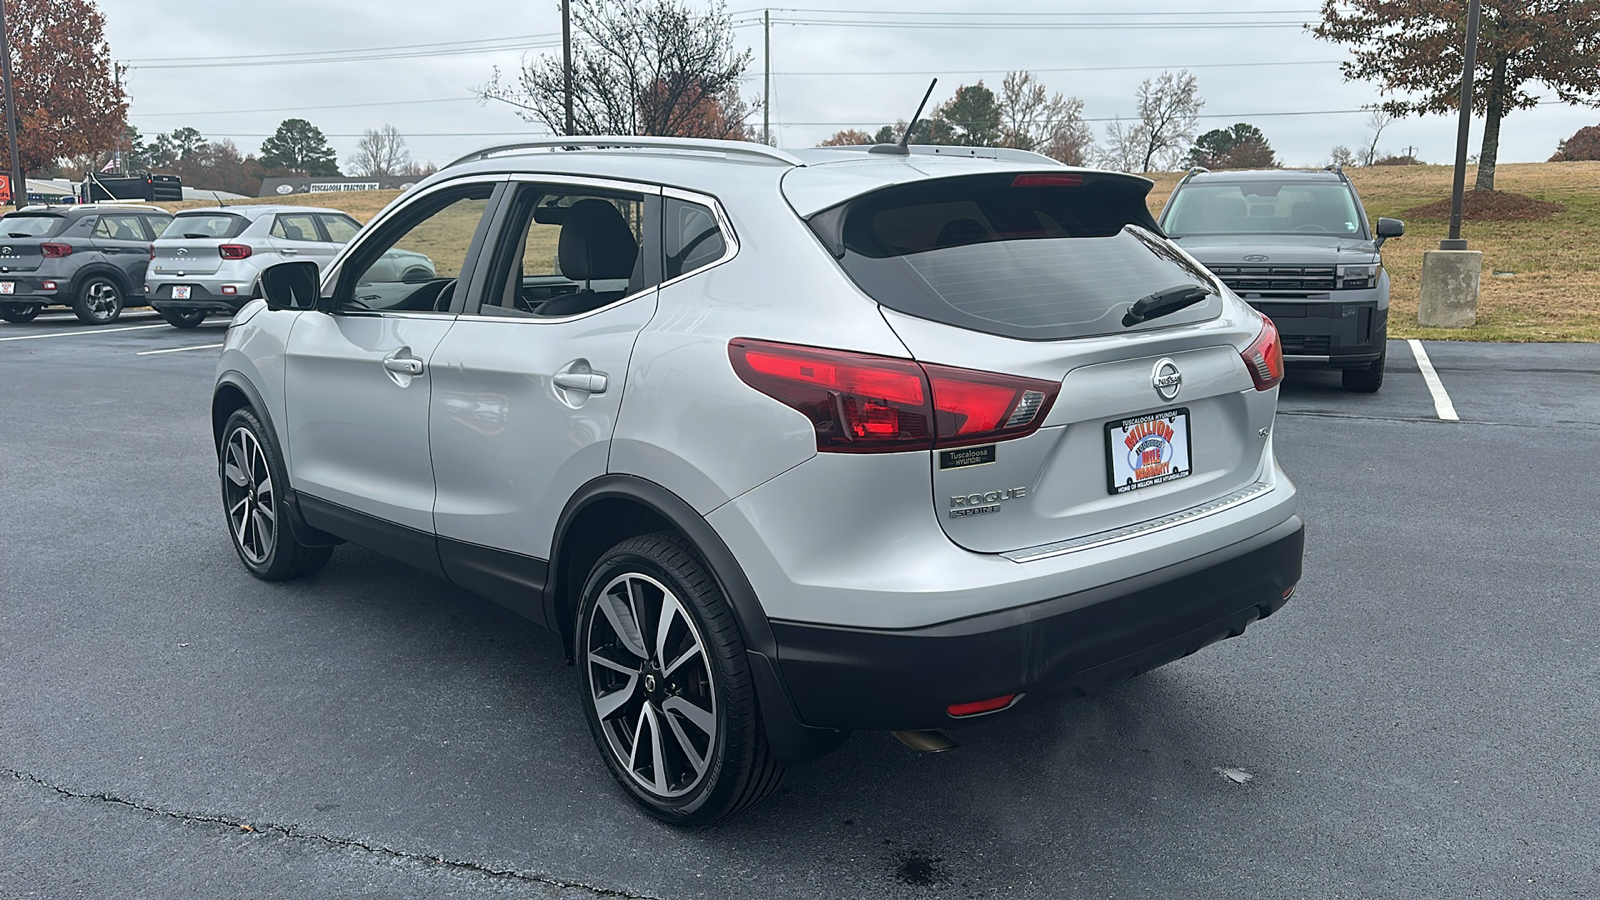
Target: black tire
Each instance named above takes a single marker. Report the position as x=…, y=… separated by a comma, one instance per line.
x=254, y=484
x=20, y=312
x=99, y=300
x=183, y=318
x=1367, y=379
x=695, y=777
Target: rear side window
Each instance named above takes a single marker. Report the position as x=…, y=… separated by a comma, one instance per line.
x=298, y=227
x=692, y=238
x=1036, y=257
x=340, y=228
x=23, y=226
x=200, y=226
x=120, y=228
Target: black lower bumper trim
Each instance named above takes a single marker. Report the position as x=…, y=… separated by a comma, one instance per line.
x=859, y=679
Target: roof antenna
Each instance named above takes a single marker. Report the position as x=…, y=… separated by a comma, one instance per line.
x=901, y=149
x=219, y=200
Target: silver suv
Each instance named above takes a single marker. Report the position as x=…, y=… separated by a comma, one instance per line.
x=784, y=445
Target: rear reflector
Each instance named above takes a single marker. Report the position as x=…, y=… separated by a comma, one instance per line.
x=1052, y=179
x=230, y=289
x=234, y=251
x=860, y=403
x=49, y=285
x=980, y=706
x=52, y=250
x=1264, y=357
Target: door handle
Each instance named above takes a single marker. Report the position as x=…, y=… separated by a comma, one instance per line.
x=290, y=250
x=589, y=382
x=401, y=362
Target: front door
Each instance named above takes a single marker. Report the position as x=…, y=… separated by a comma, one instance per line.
x=358, y=378
x=528, y=383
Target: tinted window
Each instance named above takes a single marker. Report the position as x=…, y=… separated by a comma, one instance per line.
x=297, y=227
x=198, y=226
x=692, y=238
x=1268, y=207
x=120, y=228
x=29, y=225
x=340, y=228
x=1037, y=262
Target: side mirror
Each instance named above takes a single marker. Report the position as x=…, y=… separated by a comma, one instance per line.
x=1389, y=228
x=291, y=285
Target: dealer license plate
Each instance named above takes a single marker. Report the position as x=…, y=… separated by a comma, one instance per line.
x=180, y=292
x=1147, y=450
x=8, y=287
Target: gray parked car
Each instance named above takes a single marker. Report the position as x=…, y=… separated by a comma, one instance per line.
x=783, y=445
x=1295, y=245
x=91, y=257
x=210, y=260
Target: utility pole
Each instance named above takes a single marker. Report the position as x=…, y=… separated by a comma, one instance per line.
x=566, y=51
x=1448, y=294
x=1469, y=61
x=766, y=80
x=19, y=183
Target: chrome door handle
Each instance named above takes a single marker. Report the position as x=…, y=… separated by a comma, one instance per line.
x=403, y=365
x=589, y=382
x=290, y=250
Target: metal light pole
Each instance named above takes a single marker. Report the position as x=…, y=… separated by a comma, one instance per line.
x=766, y=80
x=19, y=183
x=1468, y=62
x=566, y=51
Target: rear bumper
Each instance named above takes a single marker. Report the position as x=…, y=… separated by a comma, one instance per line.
x=202, y=295
x=29, y=290
x=1338, y=333
x=869, y=679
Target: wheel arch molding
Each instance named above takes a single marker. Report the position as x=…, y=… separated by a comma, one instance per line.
x=234, y=392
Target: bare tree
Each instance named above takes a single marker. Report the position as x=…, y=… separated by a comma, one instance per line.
x=1342, y=157
x=1377, y=120
x=1169, y=115
x=646, y=67
x=1123, y=146
x=1032, y=119
x=381, y=152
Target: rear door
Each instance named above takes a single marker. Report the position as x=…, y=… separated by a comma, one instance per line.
x=358, y=379
x=189, y=244
x=298, y=236
x=123, y=240
x=21, y=235
x=1032, y=276
x=528, y=384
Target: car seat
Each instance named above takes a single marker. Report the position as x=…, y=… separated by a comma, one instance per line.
x=957, y=232
x=595, y=243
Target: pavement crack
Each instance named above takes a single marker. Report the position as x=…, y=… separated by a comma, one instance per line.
x=300, y=833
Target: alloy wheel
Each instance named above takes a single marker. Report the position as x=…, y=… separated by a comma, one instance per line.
x=249, y=494
x=103, y=299
x=651, y=684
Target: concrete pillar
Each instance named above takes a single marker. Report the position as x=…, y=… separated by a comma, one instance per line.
x=1449, y=296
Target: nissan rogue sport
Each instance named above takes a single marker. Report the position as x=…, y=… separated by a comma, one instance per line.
x=783, y=445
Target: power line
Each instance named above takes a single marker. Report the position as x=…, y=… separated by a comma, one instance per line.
x=924, y=14
x=1295, y=62
x=344, y=59
x=1236, y=116
x=221, y=112
x=314, y=53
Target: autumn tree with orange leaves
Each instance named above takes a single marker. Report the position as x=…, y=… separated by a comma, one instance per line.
x=68, y=100
x=1413, y=48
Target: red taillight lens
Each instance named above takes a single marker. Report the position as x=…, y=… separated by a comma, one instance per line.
x=1052, y=179
x=859, y=403
x=152, y=251
x=1264, y=357
x=53, y=250
x=980, y=706
x=234, y=251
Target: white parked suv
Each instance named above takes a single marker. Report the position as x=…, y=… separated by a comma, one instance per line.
x=784, y=445
x=210, y=260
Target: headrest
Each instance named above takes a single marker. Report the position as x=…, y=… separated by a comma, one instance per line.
x=596, y=242
x=961, y=231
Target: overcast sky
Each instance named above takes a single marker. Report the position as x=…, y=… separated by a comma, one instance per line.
x=826, y=76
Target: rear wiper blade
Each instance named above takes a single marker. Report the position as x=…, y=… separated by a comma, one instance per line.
x=1164, y=302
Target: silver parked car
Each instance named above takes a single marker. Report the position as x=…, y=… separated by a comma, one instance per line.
x=210, y=260
x=783, y=445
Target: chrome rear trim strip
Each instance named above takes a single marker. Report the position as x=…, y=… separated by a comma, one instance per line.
x=1088, y=541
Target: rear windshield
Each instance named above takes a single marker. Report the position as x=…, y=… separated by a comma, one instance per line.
x=1266, y=207
x=30, y=225
x=1032, y=257
x=200, y=226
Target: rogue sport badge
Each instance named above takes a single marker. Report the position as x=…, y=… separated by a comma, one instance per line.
x=1166, y=379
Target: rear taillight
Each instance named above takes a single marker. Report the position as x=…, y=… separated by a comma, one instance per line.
x=152, y=251
x=859, y=403
x=52, y=250
x=234, y=251
x=1264, y=357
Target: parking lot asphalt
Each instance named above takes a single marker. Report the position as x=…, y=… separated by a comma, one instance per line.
x=1422, y=719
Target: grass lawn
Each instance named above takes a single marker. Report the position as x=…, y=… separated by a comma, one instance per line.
x=1541, y=279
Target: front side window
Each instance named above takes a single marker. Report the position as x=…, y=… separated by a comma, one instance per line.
x=296, y=227
x=1266, y=207
x=119, y=228
x=569, y=250
x=413, y=262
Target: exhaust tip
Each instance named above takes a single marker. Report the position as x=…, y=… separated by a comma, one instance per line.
x=925, y=741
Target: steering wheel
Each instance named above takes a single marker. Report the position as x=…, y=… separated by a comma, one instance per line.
x=1312, y=226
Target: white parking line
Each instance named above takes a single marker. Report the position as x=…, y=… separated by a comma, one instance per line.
x=178, y=349
x=1441, y=400
x=84, y=332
